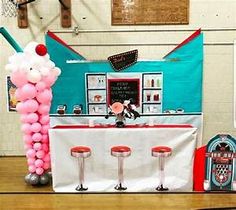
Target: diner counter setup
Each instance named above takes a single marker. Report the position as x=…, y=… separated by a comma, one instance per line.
x=144, y=140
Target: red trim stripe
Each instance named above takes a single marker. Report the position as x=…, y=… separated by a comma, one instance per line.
x=190, y=38
x=56, y=38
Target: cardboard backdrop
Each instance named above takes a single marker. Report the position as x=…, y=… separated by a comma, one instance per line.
x=182, y=72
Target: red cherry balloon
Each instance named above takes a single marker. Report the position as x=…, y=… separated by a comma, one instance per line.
x=41, y=49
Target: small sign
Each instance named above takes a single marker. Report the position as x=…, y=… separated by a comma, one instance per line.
x=123, y=60
x=120, y=90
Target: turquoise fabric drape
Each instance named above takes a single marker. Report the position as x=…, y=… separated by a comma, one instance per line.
x=182, y=76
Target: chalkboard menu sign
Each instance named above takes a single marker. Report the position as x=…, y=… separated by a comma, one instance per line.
x=123, y=89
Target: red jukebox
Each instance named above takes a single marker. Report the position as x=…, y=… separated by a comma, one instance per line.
x=220, y=163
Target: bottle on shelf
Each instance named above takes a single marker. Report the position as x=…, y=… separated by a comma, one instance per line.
x=158, y=82
x=148, y=96
x=152, y=83
x=156, y=96
x=148, y=83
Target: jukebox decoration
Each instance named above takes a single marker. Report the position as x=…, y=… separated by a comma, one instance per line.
x=220, y=164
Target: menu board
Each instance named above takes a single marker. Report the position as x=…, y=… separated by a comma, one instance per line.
x=123, y=89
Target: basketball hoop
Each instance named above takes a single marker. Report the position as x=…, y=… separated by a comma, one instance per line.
x=9, y=8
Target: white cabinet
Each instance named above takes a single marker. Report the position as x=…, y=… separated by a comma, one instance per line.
x=96, y=94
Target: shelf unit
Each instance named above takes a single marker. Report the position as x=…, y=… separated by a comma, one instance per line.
x=96, y=99
x=152, y=86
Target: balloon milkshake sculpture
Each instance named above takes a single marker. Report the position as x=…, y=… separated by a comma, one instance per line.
x=34, y=73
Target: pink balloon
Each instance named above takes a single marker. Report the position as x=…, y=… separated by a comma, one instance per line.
x=28, y=91
x=40, y=154
x=50, y=80
x=23, y=118
x=37, y=146
x=45, y=96
x=30, y=161
x=32, y=168
x=19, y=78
x=31, y=105
x=28, y=146
x=46, y=165
x=44, y=119
x=30, y=153
x=47, y=158
x=36, y=137
x=32, y=117
x=21, y=108
x=19, y=95
x=26, y=128
x=44, y=109
x=27, y=139
x=44, y=129
x=36, y=127
x=38, y=163
x=39, y=171
x=40, y=86
x=45, y=138
x=45, y=147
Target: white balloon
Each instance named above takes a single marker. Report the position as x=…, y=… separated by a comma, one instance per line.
x=44, y=71
x=17, y=57
x=25, y=67
x=56, y=71
x=46, y=57
x=50, y=64
x=11, y=67
x=12, y=58
x=34, y=76
x=30, y=48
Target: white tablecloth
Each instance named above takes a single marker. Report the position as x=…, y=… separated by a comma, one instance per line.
x=140, y=169
x=194, y=119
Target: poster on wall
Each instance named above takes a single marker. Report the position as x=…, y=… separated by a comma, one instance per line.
x=11, y=98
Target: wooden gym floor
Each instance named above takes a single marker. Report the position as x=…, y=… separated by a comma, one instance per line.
x=15, y=194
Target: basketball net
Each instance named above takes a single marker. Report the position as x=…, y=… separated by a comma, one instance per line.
x=9, y=8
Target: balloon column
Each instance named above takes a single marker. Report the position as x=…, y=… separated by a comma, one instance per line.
x=34, y=73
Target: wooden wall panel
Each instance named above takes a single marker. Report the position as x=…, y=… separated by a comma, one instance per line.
x=138, y=12
x=66, y=14
x=22, y=17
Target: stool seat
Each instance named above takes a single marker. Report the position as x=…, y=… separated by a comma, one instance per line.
x=163, y=151
x=80, y=151
x=120, y=151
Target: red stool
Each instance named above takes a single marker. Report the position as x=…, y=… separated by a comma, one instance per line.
x=161, y=152
x=120, y=152
x=81, y=152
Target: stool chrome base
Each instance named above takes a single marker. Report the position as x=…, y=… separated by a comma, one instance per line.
x=120, y=187
x=81, y=188
x=161, y=188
